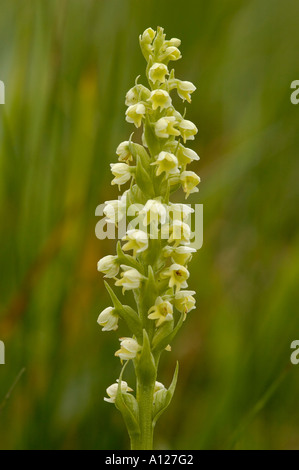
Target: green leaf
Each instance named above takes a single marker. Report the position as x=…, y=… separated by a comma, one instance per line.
x=163, y=400
x=162, y=332
x=147, y=300
x=145, y=364
x=137, y=196
x=126, y=313
x=162, y=342
x=132, y=404
x=151, y=138
x=144, y=180
x=159, y=40
x=138, y=150
x=165, y=191
x=128, y=260
x=128, y=406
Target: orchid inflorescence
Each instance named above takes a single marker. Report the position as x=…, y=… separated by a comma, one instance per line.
x=155, y=269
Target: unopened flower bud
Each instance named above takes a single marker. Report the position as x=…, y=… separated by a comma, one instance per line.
x=128, y=349
x=113, y=389
x=109, y=266
x=108, y=319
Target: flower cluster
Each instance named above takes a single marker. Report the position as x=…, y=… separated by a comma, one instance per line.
x=154, y=266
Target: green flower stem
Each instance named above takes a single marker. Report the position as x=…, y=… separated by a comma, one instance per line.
x=145, y=395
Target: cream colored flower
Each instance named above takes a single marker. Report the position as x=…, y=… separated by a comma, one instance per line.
x=162, y=311
x=165, y=127
x=187, y=129
x=184, y=301
x=158, y=72
x=136, y=94
x=123, y=152
x=148, y=36
x=136, y=240
x=166, y=162
x=122, y=173
x=130, y=278
x=179, y=211
x=135, y=114
x=128, y=349
x=153, y=211
x=159, y=386
x=189, y=181
x=184, y=89
x=146, y=40
x=159, y=99
x=179, y=254
x=108, y=319
x=113, y=389
x=111, y=210
x=173, y=42
x=170, y=53
x=178, y=276
x=180, y=233
x=186, y=156
x=109, y=266
x=115, y=210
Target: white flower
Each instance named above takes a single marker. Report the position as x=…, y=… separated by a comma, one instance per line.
x=109, y=266
x=189, y=181
x=171, y=53
x=153, y=211
x=184, y=89
x=159, y=386
x=178, y=276
x=136, y=240
x=130, y=278
x=187, y=129
x=136, y=94
x=186, y=156
x=111, y=209
x=158, y=72
x=179, y=211
x=132, y=97
x=179, y=254
x=184, y=301
x=159, y=389
x=148, y=36
x=160, y=99
x=173, y=42
x=113, y=389
x=108, y=319
x=164, y=127
x=122, y=173
x=115, y=210
x=146, y=40
x=135, y=113
x=123, y=152
x=166, y=162
x=128, y=349
x=162, y=311
x=180, y=233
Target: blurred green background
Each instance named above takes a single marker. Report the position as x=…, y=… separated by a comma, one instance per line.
x=67, y=65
